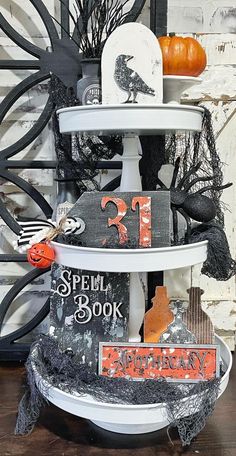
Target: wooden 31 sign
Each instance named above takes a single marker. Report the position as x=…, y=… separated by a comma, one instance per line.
x=120, y=219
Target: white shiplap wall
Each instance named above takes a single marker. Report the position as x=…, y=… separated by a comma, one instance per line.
x=215, y=25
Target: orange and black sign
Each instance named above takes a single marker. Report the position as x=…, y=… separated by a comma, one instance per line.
x=183, y=363
x=124, y=219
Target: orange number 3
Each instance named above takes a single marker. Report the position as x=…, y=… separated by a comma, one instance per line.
x=144, y=203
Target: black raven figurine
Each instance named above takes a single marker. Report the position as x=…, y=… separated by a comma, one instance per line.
x=128, y=80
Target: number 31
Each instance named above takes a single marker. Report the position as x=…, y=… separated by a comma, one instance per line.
x=144, y=203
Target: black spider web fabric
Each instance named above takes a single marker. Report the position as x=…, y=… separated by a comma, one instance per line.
x=219, y=263
x=77, y=156
x=60, y=370
x=195, y=147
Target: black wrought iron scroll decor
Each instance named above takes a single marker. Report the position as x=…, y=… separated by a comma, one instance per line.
x=63, y=60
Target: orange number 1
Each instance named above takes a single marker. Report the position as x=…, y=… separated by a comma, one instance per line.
x=145, y=235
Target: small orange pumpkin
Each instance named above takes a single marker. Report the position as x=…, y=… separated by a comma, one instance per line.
x=41, y=255
x=182, y=56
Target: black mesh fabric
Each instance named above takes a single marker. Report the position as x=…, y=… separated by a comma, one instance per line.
x=219, y=263
x=77, y=156
x=195, y=147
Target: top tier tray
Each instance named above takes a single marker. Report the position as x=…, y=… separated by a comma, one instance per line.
x=131, y=119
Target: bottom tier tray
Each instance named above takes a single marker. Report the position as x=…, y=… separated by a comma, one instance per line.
x=120, y=418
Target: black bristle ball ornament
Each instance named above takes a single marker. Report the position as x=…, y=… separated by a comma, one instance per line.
x=200, y=208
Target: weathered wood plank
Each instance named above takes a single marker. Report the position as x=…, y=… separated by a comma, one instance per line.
x=218, y=16
x=25, y=19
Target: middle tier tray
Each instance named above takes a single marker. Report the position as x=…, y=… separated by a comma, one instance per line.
x=127, y=119
x=130, y=260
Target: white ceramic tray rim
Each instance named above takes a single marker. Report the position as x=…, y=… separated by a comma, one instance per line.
x=130, y=119
x=130, y=107
x=130, y=260
x=122, y=418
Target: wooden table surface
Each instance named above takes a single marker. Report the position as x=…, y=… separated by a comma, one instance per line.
x=61, y=434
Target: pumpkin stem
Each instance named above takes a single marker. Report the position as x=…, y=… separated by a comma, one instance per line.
x=172, y=34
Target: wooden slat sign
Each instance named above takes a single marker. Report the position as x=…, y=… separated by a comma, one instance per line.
x=187, y=363
x=124, y=219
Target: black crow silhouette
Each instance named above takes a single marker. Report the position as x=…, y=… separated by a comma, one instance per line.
x=128, y=80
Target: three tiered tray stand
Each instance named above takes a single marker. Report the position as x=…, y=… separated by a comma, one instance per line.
x=129, y=121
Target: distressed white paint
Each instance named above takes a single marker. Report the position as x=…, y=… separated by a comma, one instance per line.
x=25, y=19
x=217, y=92
x=215, y=16
x=218, y=83
x=219, y=297
x=219, y=290
x=137, y=42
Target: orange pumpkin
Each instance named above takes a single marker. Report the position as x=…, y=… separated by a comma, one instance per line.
x=41, y=255
x=182, y=56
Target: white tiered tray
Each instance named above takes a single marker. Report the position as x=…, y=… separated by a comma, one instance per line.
x=130, y=119
x=130, y=260
x=125, y=419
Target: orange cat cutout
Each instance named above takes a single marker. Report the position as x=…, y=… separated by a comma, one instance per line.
x=158, y=317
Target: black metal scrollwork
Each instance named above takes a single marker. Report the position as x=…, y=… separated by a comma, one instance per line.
x=10, y=349
x=64, y=61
